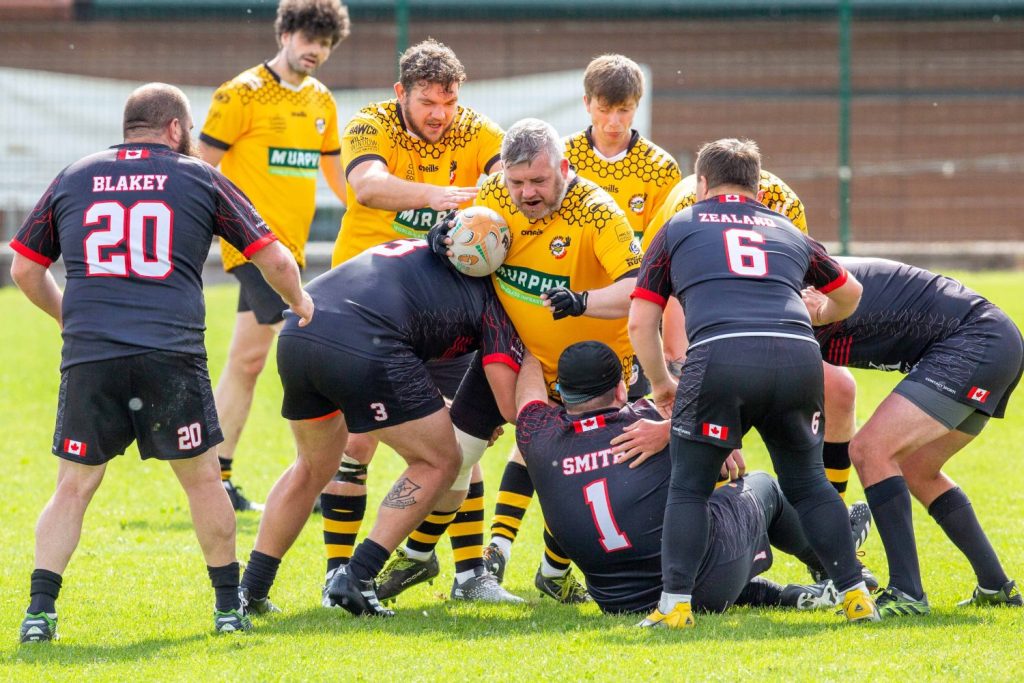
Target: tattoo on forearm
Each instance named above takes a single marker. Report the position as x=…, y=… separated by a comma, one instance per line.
x=402, y=494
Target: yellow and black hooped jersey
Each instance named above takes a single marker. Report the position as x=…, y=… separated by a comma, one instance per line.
x=639, y=182
x=470, y=147
x=772, y=192
x=273, y=135
x=586, y=244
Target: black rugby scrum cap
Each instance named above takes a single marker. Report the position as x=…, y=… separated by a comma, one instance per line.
x=586, y=370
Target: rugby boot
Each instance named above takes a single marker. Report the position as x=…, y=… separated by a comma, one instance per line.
x=1007, y=596
x=680, y=616
x=860, y=522
x=815, y=596
x=231, y=621
x=357, y=596
x=403, y=572
x=39, y=627
x=256, y=606
x=238, y=501
x=495, y=561
x=325, y=596
x=565, y=589
x=858, y=606
x=483, y=587
x=892, y=602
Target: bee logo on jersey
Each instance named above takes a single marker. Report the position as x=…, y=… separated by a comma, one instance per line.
x=637, y=203
x=559, y=246
x=451, y=172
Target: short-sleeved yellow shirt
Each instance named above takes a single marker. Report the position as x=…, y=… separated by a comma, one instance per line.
x=274, y=135
x=586, y=244
x=639, y=182
x=773, y=193
x=470, y=147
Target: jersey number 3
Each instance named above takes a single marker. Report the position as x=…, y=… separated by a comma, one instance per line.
x=148, y=227
x=611, y=538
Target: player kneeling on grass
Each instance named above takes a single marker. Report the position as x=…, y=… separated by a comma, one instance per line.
x=963, y=356
x=360, y=368
x=132, y=317
x=607, y=512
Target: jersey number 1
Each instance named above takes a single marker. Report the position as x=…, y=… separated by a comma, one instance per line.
x=611, y=538
x=146, y=224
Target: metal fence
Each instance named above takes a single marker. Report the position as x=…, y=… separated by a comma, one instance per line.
x=918, y=107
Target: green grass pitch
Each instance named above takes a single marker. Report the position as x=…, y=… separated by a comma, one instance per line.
x=137, y=604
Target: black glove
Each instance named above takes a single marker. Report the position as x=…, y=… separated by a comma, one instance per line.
x=565, y=302
x=437, y=235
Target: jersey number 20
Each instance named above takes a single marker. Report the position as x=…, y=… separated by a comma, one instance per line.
x=146, y=224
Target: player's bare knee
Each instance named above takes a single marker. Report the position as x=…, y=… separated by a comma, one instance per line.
x=840, y=393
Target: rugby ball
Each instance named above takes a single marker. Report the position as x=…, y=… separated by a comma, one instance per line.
x=480, y=241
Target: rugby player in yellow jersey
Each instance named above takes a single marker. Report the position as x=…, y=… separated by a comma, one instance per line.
x=406, y=161
x=270, y=128
x=840, y=388
x=639, y=176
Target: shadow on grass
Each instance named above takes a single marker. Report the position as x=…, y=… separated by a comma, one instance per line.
x=472, y=622
x=64, y=652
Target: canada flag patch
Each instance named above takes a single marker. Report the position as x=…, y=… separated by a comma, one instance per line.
x=978, y=394
x=715, y=431
x=588, y=424
x=129, y=154
x=73, y=447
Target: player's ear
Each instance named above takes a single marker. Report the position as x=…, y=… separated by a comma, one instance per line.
x=399, y=91
x=621, y=392
x=563, y=167
x=702, y=188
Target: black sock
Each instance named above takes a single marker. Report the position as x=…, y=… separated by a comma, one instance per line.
x=45, y=588
x=890, y=506
x=955, y=514
x=514, y=496
x=225, y=585
x=368, y=560
x=259, y=574
x=225, y=468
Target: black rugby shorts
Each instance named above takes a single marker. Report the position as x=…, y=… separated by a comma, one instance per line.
x=254, y=294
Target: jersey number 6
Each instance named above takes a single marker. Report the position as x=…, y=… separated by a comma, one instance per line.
x=146, y=224
x=744, y=257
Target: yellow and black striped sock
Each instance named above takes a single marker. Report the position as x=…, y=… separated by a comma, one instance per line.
x=343, y=515
x=467, y=531
x=554, y=556
x=225, y=468
x=424, y=538
x=837, y=465
x=514, y=497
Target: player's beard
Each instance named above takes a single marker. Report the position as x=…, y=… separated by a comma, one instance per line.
x=418, y=132
x=296, y=65
x=188, y=146
x=560, y=188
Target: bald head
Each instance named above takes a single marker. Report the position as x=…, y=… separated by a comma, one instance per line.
x=151, y=108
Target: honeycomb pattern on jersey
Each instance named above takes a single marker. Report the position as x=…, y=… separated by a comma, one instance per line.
x=645, y=161
x=259, y=86
x=777, y=196
x=584, y=203
x=463, y=132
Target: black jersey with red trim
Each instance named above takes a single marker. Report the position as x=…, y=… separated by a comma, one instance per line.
x=399, y=298
x=737, y=267
x=606, y=516
x=134, y=225
x=902, y=312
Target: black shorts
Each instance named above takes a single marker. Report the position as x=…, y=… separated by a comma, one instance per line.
x=372, y=393
x=474, y=409
x=730, y=385
x=979, y=365
x=254, y=294
x=160, y=399
x=447, y=373
x=738, y=547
